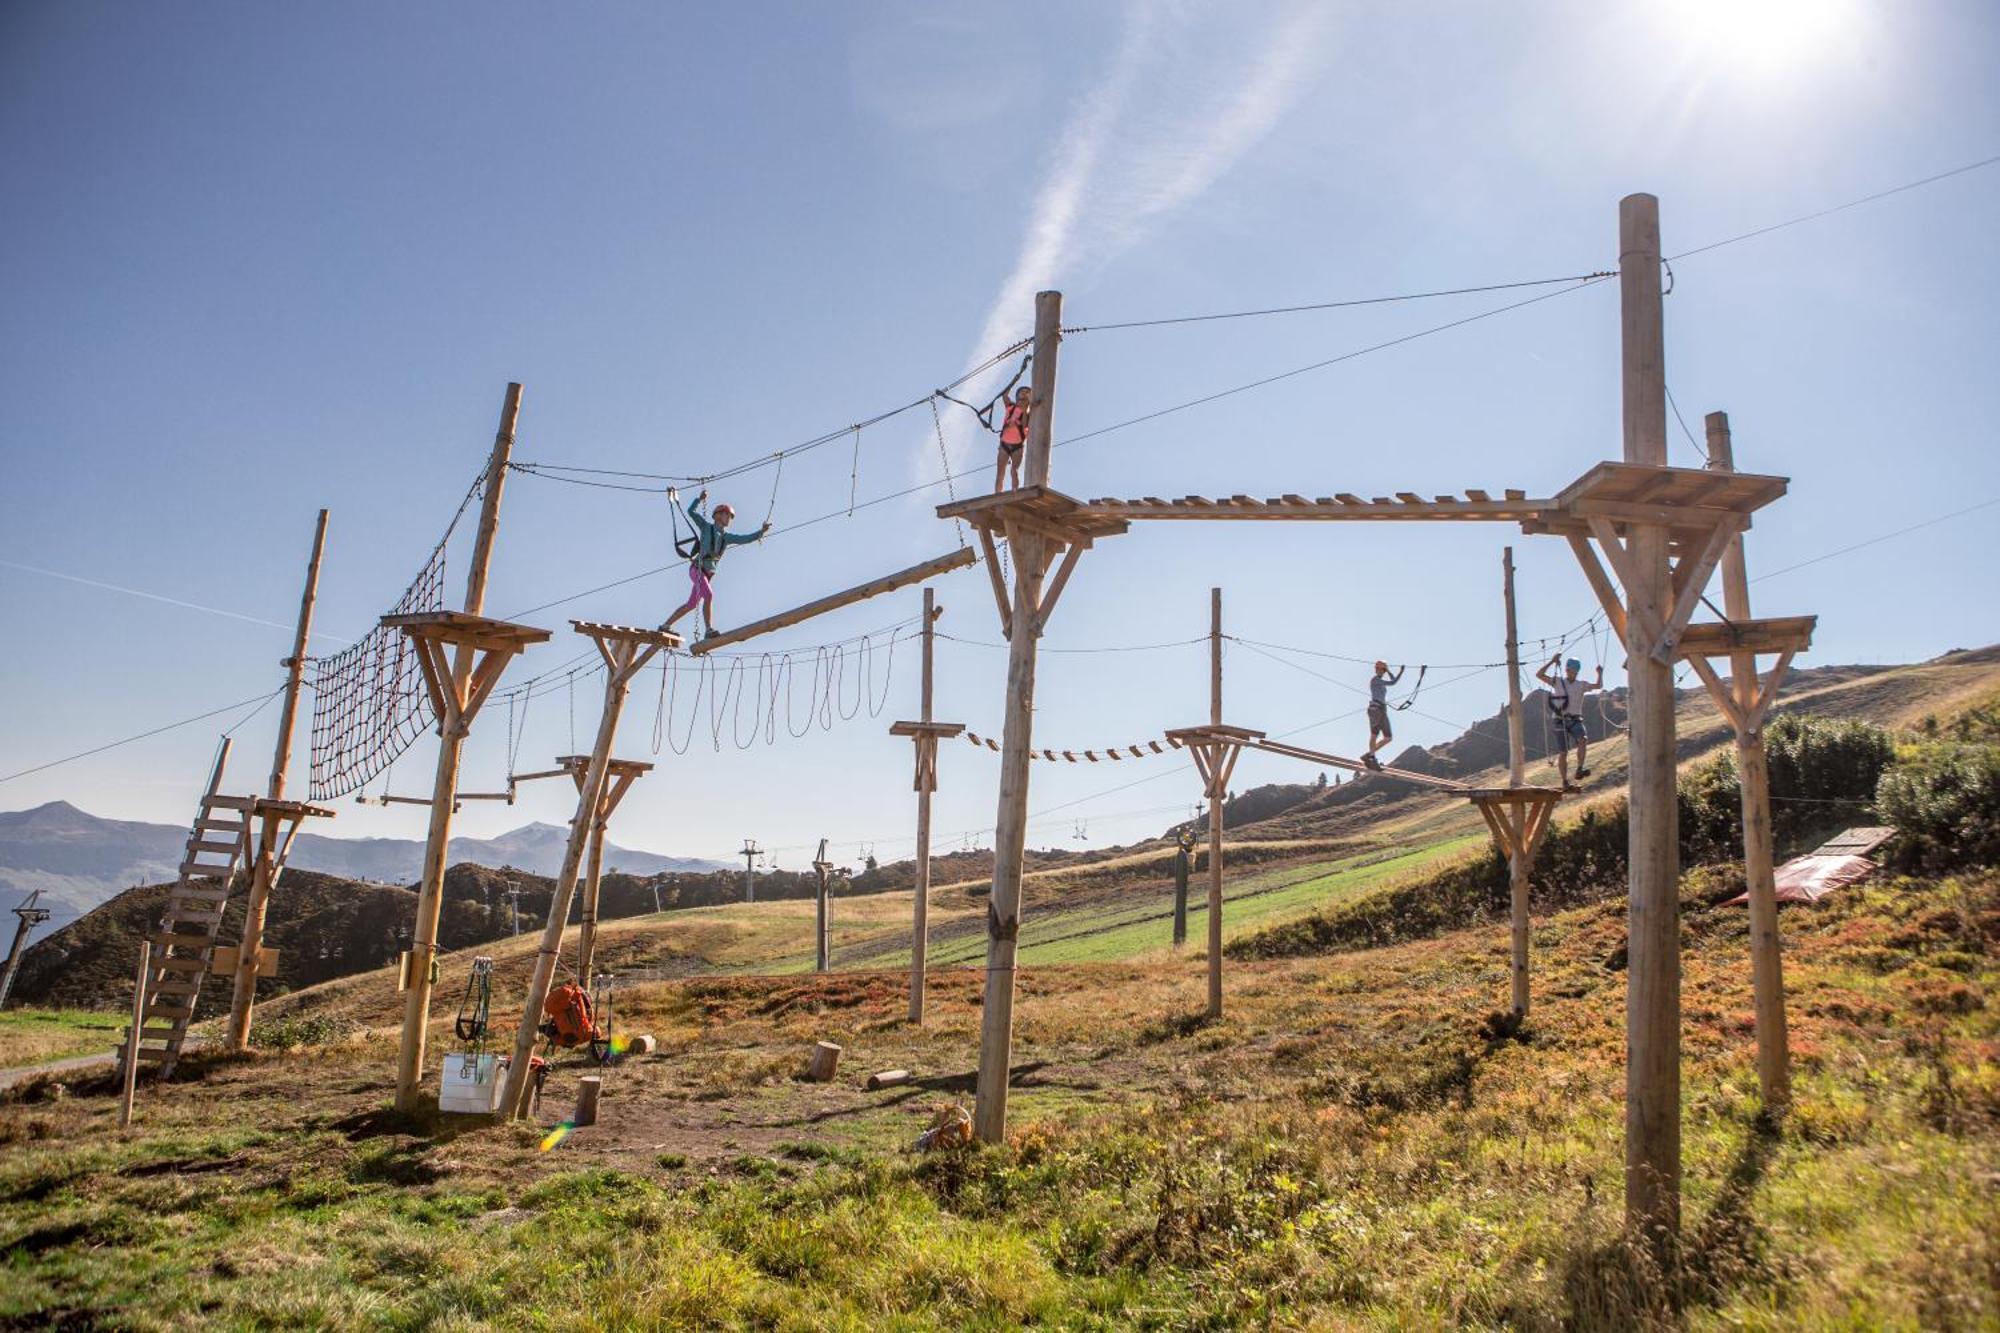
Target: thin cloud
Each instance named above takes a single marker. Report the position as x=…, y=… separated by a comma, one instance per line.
x=1123, y=166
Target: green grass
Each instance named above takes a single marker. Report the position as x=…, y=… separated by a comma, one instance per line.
x=1350, y=1148
x=36, y=1036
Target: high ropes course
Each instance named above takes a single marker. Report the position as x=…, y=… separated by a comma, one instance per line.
x=1648, y=538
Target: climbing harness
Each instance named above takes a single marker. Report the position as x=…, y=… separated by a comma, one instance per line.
x=476, y=1004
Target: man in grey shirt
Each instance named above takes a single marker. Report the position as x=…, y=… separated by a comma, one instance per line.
x=1379, y=732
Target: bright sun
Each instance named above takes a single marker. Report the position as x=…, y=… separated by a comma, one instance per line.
x=1766, y=36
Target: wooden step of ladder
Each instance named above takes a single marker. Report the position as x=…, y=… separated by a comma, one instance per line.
x=184, y=942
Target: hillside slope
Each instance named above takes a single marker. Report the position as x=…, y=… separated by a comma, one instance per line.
x=1353, y=1146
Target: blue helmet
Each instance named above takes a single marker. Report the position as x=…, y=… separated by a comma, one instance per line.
x=1573, y=665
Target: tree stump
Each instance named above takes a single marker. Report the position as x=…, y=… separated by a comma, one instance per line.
x=825, y=1060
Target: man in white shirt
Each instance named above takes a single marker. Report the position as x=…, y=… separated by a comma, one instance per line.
x=1566, y=706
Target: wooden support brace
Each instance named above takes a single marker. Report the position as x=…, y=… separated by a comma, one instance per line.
x=1600, y=583
x=1001, y=598
x=1689, y=579
x=1052, y=593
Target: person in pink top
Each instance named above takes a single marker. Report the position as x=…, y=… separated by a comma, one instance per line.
x=1013, y=439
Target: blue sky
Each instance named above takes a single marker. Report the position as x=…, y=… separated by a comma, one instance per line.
x=260, y=259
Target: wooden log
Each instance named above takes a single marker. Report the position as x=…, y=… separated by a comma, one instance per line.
x=921, y=902
x=888, y=1078
x=643, y=1044
x=1217, y=794
x=588, y=1089
x=513, y=1099
x=1003, y=909
x=1517, y=861
x=902, y=578
x=130, y=1085
x=444, y=785
x=822, y=1064
x=1652, y=988
x=1754, y=772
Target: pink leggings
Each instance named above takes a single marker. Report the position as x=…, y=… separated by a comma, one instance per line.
x=703, y=591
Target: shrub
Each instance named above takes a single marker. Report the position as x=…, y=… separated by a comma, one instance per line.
x=1824, y=775
x=1945, y=802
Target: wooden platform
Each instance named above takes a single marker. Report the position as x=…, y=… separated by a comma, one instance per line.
x=459, y=629
x=1405, y=506
x=1056, y=515
x=580, y=763
x=1214, y=731
x=1685, y=498
x=657, y=638
x=292, y=809
x=1786, y=634
x=947, y=730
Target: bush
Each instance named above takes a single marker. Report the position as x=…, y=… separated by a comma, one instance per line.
x=1824, y=775
x=1945, y=802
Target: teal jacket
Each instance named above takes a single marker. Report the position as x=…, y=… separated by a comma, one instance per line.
x=711, y=541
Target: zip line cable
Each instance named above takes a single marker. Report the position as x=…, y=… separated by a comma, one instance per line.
x=776, y=457
x=1837, y=208
x=1331, y=361
x=1338, y=305
x=1929, y=522
x=950, y=477
x=144, y=735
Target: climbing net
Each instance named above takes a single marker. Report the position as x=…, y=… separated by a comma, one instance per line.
x=369, y=699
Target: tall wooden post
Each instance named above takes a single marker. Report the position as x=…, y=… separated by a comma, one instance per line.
x=1754, y=777
x=1517, y=767
x=256, y=908
x=1003, y=912
x=131, y=1062
x=821, y=868
x=1215, y=803
x=444, y=785
x=920, y=910
x=1653, y=977
x=626, y=652
x=620, y=775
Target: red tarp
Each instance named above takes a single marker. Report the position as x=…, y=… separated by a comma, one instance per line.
x=1806, y=879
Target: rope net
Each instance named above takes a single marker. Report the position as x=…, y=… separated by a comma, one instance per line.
x=369, y=699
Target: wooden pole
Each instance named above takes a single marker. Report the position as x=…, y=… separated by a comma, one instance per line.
x=513, y=1099
x=921, y=906
x=1517, y=768
x=1754, y=777
x=256, y=907
x=820, y=867
x=131, y=1084
x=1215, y=801
x=1010, y=835
x=586, y=931
x=444, y=786
x=1652, y=987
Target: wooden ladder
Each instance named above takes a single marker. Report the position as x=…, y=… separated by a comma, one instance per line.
x=218, y=845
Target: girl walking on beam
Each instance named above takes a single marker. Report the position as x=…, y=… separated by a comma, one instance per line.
x=704, y=552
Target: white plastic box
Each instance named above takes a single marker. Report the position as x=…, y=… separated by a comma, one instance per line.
x=471, y=1084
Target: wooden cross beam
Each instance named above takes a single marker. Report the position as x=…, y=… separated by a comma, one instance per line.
x=902, y=578
x=1063, y=527
x=1746, y=722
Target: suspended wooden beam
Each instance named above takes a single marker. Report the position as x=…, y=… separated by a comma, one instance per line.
x=943, y=564
x=1341, y=508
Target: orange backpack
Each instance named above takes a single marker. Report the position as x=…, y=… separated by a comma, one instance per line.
x=569, y=1017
